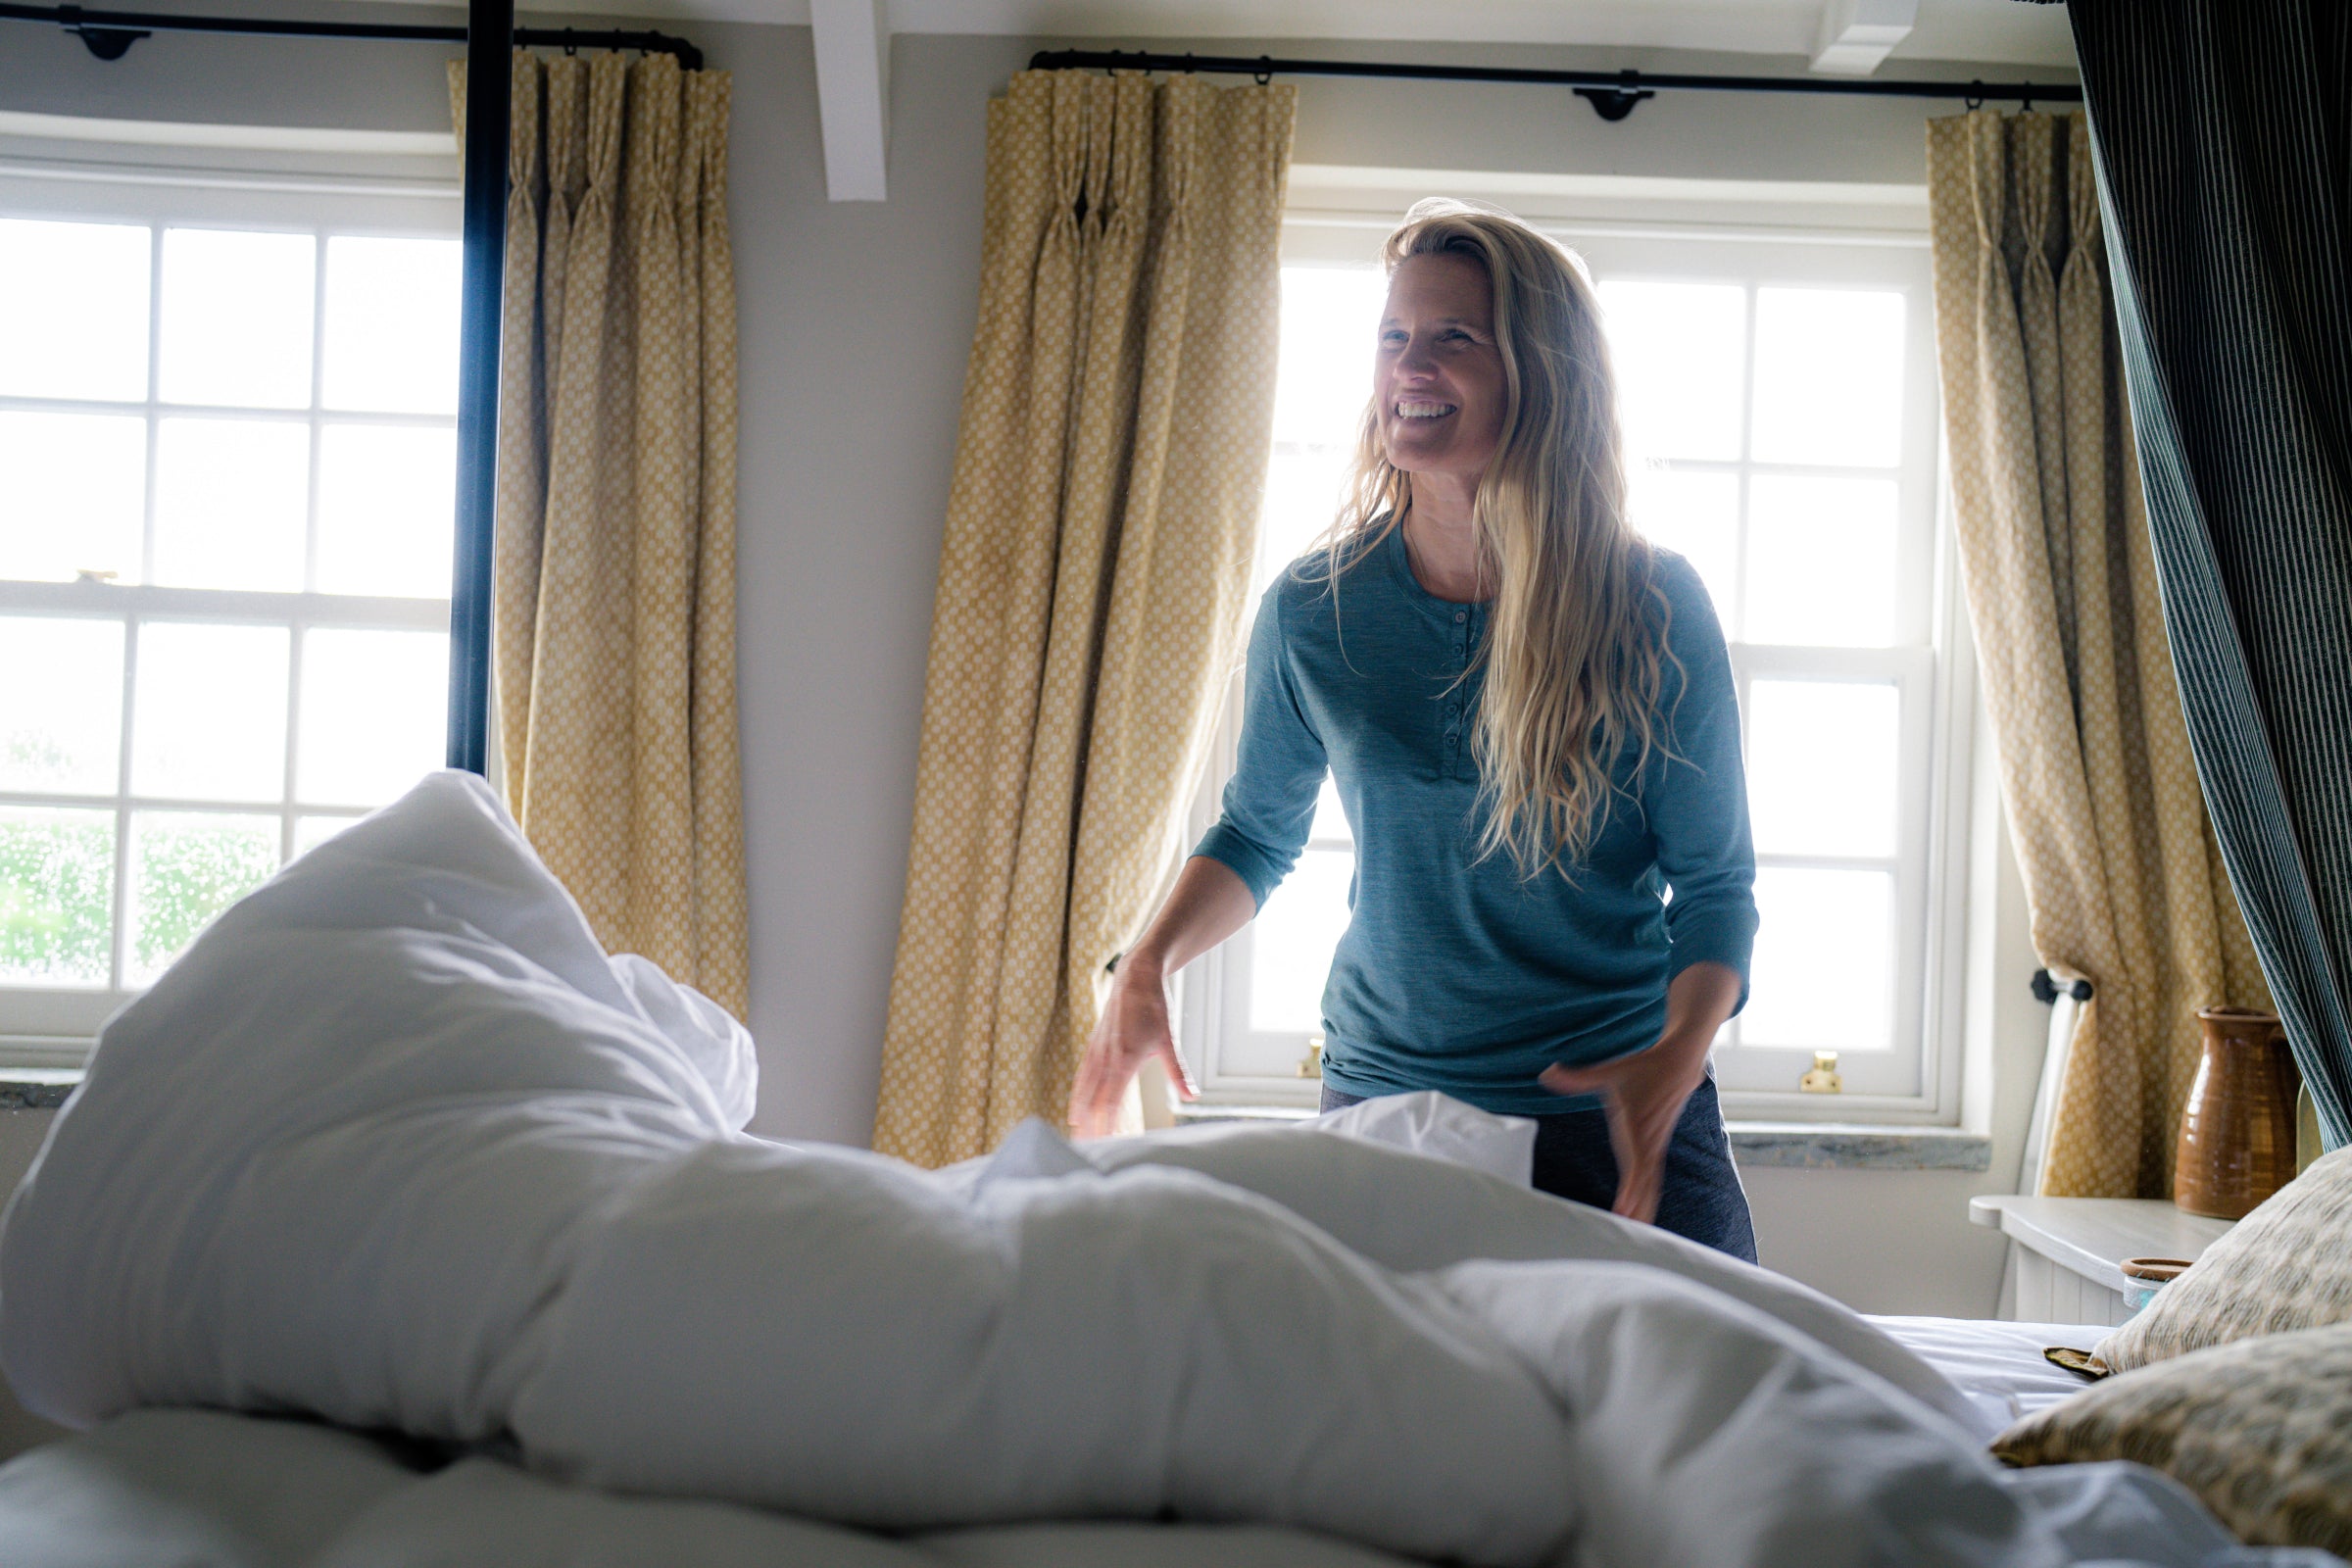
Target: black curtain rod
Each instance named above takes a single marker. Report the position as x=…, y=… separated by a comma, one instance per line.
x=111, y=33
x=1612, y=93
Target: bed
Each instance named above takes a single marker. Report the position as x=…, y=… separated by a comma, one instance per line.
x=204, y=1489
x=399, y=1224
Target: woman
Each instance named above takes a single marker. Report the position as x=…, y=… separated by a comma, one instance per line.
x=1530, y=717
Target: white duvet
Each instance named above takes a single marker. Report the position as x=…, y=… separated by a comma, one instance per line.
x=396, y=1145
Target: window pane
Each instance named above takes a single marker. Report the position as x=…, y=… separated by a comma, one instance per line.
x=187, y=866
x=61, y=728
x=231, y=496
x=374, y=713
x=1330, y=330
x=210, y=717
x=1292, y=941
x=236, y=317
x=391, y=325
x=1821, y=562
x=57, y=894
x=1822, y=766
x=311, y=831
x=1828, y=377
x=1303, y=496
x=1678, y=349
x=1696, y=515
x=1824, y=968
x=75, y=489
x=1331, y=818
x=74, y=310
x=386, y=504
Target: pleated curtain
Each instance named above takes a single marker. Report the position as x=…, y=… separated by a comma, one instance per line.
x=2224, y=131
x=1099, y=534
x=2118, y=856
x=613, y=598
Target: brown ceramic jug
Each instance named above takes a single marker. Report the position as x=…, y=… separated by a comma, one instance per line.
x=2237, y=1135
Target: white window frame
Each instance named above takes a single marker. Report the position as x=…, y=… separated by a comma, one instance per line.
x=1762, y=233
x=331, y=182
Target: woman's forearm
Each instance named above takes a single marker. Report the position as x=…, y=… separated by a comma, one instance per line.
x=1697, y=1003
x=1208, y=903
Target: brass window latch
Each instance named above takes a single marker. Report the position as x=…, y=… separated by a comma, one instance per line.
x=1824, y=1079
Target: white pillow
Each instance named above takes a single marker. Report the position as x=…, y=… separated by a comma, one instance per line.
x=1443, y=1128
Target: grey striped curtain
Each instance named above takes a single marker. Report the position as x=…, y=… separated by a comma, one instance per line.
x=2223, y=135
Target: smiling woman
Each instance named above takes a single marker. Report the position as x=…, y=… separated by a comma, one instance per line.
x=1527, y=711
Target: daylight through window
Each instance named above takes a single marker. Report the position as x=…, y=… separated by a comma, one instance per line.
x=224, y=566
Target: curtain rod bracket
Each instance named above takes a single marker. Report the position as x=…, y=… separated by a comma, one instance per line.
x=107, y=43
x=1613, y=104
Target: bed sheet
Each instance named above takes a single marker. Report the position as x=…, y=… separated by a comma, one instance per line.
x=1998, y=1365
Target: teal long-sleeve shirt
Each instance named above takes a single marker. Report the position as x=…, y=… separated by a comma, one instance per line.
x=1456, y=972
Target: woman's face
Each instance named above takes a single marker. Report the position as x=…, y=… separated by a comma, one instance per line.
x=1438, y=375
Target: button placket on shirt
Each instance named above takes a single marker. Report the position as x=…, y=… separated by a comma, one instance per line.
x=1453, y=705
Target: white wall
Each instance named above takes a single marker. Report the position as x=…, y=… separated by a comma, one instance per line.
x=856, y=319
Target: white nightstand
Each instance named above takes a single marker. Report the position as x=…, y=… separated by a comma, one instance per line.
x=2063, y=1252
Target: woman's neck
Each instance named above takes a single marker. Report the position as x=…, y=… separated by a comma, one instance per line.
x=1441, y=538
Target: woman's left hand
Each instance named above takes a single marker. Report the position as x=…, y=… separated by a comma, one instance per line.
x=1642, y=1093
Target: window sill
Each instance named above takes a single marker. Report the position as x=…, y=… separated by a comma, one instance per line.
x=1791, y=1144
x=1857, y=1146
x=1187, y=1115
x=37, y=1088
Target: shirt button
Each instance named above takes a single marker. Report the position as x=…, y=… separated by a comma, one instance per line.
x=1460, y=616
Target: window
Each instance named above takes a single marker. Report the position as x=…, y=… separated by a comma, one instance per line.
x=1780, y=402
x=226, y=480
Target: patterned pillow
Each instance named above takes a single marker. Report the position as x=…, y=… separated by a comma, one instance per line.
x=2261, y=1431
x=2287, y=1265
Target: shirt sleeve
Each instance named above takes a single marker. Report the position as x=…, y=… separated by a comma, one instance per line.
x=1695, y=791
x=1269, y=806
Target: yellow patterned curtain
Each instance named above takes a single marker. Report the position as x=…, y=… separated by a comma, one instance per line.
x=2118, y=856
x=1099, y=540
x=614, y=619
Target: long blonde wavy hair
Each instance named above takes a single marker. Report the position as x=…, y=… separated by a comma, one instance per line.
x=1574, y=655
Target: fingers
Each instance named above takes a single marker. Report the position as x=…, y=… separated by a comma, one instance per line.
x=1575, y=1080
x=1111, y=1087
x=1093, y=1097
x=1640, y=1166
x=1082, y=1086
x=1180, y=1076
x=1641, y=1156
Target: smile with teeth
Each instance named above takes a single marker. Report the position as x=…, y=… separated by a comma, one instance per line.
x=1422, y=409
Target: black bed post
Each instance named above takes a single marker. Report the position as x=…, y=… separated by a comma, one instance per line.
x=489, y=76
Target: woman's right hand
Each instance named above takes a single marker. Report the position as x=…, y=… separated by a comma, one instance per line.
x=1133, y=1030
x=1208, y=903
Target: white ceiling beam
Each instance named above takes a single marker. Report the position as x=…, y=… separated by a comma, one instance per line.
x=1857, y=34
x=852, y=96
